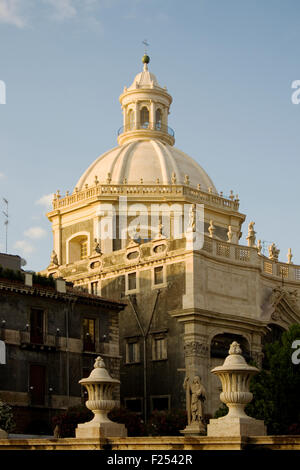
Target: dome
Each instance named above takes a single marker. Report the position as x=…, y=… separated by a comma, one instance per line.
x=150, y=160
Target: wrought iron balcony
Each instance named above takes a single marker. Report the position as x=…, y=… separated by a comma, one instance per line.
x=153, y=126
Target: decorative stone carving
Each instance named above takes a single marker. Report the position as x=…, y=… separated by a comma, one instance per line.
x=259, y=247
x=211, y=229
x=251, y=234
x=186, y=179
x=160, y=230
x=195, y=348
x=257, y=356
x=273, y=252
x=97, y=248
x=99, y=386
x=283, y=301
x=235, y=375
x=54, y=258
x=229, y=234
x=108, y=178
x=173, y=178
x=195, y=396
x=289, y=256
x=192, y=218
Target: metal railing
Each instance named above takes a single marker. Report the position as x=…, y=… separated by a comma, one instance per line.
x=154, y=126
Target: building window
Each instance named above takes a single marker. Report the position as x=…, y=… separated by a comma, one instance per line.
x=160, y=402
x=89, y=334
x=134, y=404
x=77, y=248
x=36, y=326
x=131, y=282
x=159, y=348
x=144, y=117
x=158, y=275
x=83, y=249
x=158, y=119
x=94, y=288
x=132, y=351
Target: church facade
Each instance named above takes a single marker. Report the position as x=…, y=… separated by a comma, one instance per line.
x=146, y=226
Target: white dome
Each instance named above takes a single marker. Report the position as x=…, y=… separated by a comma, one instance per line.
x=147, y=159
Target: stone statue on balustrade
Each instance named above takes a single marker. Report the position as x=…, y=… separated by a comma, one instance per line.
x=195, y=397
x=259, y=247
x=229, y=234
x=251, y=234
x=211, y=229
x=273, y=252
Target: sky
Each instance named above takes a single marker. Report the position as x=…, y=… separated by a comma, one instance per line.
x=229, y=65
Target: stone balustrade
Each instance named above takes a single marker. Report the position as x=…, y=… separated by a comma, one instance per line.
x=250, y=256
x=174, y=190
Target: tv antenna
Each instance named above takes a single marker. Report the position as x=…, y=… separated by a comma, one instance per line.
x=5, y=212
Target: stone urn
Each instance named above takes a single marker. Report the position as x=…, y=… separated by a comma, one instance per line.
x=235, y=375
x=99, y=386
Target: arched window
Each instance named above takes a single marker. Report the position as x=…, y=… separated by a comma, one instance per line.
x=144, y=117
x=130, y=119
x=158, y=119
x=77, y=248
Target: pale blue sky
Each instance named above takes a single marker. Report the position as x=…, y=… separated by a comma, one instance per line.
x=229, y=65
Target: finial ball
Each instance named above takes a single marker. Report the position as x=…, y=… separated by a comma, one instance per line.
x=145, y=59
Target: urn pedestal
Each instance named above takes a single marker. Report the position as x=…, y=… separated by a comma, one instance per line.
x=99, y=386
x=235, y=375
x=3, y=434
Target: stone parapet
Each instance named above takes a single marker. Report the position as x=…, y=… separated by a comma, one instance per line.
x=156, y=443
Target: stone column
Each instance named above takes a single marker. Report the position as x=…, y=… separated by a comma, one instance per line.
x=152, y=115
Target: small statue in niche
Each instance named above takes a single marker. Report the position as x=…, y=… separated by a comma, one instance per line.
x=195, y=396
x=251, y=234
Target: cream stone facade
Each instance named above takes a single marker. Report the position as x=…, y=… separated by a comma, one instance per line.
x=186, y=302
